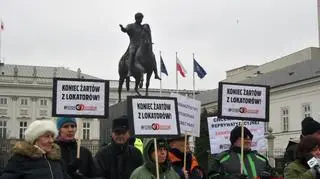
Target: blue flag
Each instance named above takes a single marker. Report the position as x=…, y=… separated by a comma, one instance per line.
x=163, y=67
x=198, y=69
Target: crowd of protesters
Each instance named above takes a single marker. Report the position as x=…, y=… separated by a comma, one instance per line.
x=50, y=151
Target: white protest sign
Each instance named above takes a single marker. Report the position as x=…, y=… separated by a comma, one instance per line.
x=80, y=98
x=219, y=134
x=153, y=116
x=189, y=115
x=242, y=101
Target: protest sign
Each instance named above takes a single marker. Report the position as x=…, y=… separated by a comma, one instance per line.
x=219, y=133
x=243, y=101
x=189, y=115
x=80, y=98
x=153, y=116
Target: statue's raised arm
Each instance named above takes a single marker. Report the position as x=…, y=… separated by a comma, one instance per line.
x=122, y=28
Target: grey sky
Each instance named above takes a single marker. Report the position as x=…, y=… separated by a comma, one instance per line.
x=85, y=33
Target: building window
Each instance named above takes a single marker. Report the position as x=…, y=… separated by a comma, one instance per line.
x=22, y=129
x=43, y=113
x=24, y=101
x=3, y=101
x=3, y=129
x=306, y=110
x=3, y=112
x=43, y=102
x=23, y=112
x=285, y=119
x=86, y=131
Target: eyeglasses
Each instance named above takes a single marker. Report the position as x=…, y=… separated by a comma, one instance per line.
x=120, y=132
x=69, y=125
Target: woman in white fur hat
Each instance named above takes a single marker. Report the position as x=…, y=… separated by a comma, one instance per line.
x=37, y=157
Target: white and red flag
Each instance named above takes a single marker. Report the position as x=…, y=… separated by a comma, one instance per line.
x=180, y=68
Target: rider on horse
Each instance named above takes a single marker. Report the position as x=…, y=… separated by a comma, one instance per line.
x=135, y=31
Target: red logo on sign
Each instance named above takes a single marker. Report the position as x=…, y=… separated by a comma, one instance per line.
x=80, y=107
x=243, y=110
x=155, y=126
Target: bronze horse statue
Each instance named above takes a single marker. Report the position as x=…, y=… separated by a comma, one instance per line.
x=144, y=63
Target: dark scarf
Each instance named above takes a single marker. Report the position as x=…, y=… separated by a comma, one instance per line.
x=180, y=155
x=68, y=149
x=62, y=139
x=119, y=148
x=238, y=150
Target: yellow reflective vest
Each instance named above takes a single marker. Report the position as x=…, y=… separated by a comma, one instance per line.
x=139, y=144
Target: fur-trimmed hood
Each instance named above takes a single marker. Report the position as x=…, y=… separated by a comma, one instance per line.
x=26, y=149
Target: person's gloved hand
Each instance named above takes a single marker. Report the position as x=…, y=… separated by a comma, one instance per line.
x=78, y=175
x=197, y=172
x=242, y=176
x=74, y=165
x=186, y=174
x=264, y=175
x=239, y=176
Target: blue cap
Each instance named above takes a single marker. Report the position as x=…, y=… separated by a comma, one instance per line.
x=62, y=120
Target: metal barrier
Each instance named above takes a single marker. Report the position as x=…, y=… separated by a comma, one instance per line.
x=5, y=148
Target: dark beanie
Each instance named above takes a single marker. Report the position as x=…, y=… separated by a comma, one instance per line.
x=309, y=126
x=176, y=138
x=236, y=133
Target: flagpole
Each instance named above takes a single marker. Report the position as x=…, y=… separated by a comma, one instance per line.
x=193, y=95
x=194, y=82
x=176, y=71
x=160, y=75
x=1, y=29
x=318, y=10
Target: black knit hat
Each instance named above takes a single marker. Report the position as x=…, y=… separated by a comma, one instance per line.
x=236, y=133
x=120, y=124
x=309, y=126
x=176, y=138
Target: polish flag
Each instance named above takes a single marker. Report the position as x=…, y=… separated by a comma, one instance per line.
x=180, y=68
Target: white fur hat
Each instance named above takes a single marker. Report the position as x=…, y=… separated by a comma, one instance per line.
x=38, y=128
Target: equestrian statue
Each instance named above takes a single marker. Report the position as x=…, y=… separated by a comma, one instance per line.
x=139, y=58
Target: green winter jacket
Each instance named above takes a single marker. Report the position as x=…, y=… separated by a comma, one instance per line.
x=227, y=164
x=295, y=170
x=148, y=169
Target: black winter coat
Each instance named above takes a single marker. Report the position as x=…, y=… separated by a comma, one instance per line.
x=86, y=165
x=118, y=161
x=291, y=153
x=28, y=162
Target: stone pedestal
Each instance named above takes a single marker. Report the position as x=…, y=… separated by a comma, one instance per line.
x=115, y=111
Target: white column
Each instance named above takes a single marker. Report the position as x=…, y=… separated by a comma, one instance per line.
x=13, y=124
x=33, y=109
x=95, y=129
